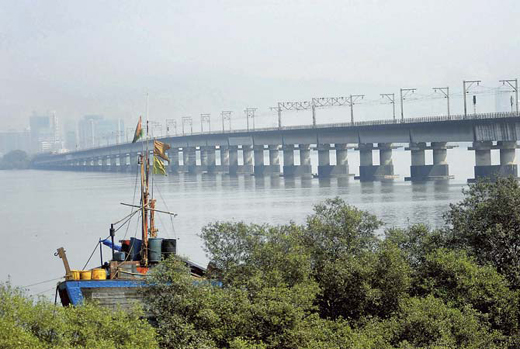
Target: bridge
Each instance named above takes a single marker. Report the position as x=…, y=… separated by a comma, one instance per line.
x=218, y=152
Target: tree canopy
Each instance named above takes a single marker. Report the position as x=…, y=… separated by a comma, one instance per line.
x=15, y=160
x=333, y=282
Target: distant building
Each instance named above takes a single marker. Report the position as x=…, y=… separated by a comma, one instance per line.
x=15, y=140
x=70, y=136
x=95, y=131
x=45, y=134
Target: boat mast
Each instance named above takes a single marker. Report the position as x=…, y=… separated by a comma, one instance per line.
x=145, y=173
x=144, y=208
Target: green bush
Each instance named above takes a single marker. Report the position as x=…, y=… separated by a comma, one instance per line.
x=486, y=224
x=41, y=324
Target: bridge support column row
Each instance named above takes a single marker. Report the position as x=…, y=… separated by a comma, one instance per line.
x=233, y=159
x=439, y=170
x=247, y=159
x=369, y=172
x=289, y=168
x=325, y=169
x=224, y=159
x=174, y=165
x=259, y=169
x=483, y=166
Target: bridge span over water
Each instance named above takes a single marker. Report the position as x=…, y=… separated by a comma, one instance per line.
x=218, y=152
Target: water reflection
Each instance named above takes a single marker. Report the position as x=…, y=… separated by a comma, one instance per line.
x=89, y=201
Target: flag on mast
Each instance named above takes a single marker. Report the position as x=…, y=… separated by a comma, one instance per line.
x=159, y=149
x=158, y=166
x=138, y=131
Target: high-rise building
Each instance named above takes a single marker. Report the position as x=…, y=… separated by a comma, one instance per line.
x=95, y=131
x=14, y=140
x=45, y=133
x=70, y=135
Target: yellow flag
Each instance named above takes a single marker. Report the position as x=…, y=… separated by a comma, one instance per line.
x=158, y=166
x=160, y=148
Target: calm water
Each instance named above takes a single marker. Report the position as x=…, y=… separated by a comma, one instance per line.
x=43, y=210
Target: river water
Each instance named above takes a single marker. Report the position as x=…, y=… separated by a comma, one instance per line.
x=43, y=210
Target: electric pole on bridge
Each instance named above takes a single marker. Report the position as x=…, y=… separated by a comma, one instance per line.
x=403, y=97
x=250, y=113
x=513, y=83
x=205, y=118
x=226, y=115
x=466, y=85
x=334, y=102
x=171, y=123
x=352, y=100
x=446, y=92
x=187, y=120
x=305, y=105
x=323, y=102
x=391, y=98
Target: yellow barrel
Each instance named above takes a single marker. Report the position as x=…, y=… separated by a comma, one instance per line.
x=99, y=274
x=75, y=274
x=86, y=274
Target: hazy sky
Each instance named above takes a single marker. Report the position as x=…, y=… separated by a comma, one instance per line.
x=193, y=57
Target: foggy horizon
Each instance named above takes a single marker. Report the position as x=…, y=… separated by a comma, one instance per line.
x=204, y=57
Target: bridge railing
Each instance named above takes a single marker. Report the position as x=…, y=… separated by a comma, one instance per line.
x=480, y=116
x=425, y=119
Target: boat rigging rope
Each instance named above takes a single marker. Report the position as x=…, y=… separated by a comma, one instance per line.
x=94, y=251
x=133, y=199
x=171, y=218
x=127, y=216
x=47, y=290
x=42, y=282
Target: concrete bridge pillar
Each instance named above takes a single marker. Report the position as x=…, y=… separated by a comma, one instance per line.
x=115, y=164
x=98, y=164
x=134, y=162
x=419, y=171
x=123, y=160
x=274, y=159
x=224, y=158
x=369, y=172
x=324, y=168
x=247, y=156
x=105, y=163
x=482, y=153
x=173, y=155
x=203, y=159
x=305, y=160
x=292, y=170
x=418, y=153
x=365, y=154
x=192, y=160
x=233, y=159
x=385, y=154
x=507, y=153
x=211, y=162
x=341, y=168
x=288, y=155
x=260, y=168
x=185, y=159
x=440, y=153
x=289, y=170
x=483, y=166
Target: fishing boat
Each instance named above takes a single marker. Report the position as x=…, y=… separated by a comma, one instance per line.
x=116, y=282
